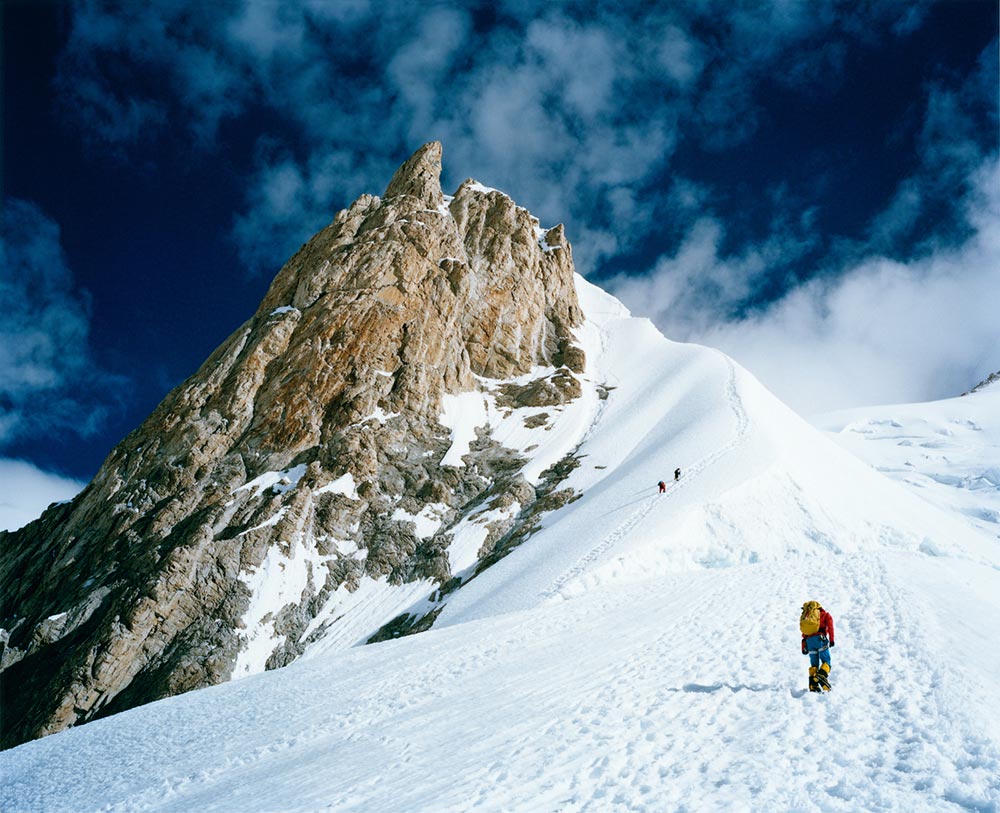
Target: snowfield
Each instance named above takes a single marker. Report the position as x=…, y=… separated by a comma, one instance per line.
x=641, y=652
x=948, y=452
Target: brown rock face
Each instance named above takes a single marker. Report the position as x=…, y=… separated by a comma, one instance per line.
x=146, y=584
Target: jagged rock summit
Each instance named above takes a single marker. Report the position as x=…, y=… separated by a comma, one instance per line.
x=321, y=453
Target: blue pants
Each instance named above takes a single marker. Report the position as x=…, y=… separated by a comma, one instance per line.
x=813, y=644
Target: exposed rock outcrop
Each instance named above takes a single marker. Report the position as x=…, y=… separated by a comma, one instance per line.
x=990, y=380
x=300, y=459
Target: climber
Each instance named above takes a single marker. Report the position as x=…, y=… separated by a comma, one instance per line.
x=663, y=486
x=677, y=474
x=816, y=625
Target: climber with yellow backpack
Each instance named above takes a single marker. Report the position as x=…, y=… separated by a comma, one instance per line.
x=816, y=625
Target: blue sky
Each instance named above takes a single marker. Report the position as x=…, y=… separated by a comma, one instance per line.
x=811, y=186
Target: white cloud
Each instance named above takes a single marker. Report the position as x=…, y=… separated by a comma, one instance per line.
x=418, y=67
x=26, y=491
x=949, y=150
x=690, y=291
x=266, y=29
x=875, y=330
x=884, y=331
x=906, y=314
x=681, y=56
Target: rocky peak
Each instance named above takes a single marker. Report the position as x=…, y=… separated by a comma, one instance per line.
x=990, y=380
x=309, y=457
x=420, y=177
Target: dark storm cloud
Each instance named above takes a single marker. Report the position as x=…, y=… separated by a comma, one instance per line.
x=49, y=384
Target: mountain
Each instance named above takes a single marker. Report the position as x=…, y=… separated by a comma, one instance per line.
x=320, y=457
x=586, y=643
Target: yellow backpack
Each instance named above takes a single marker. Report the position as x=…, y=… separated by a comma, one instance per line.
x=809, y=620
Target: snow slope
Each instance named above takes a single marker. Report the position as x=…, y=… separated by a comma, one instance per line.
x=948, y=452
x=639, y=653
x=758, y=482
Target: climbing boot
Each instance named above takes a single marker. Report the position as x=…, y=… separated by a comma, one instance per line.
x=823, y=676
x=813, y=684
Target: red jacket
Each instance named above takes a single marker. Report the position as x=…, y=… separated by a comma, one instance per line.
x=825, y=628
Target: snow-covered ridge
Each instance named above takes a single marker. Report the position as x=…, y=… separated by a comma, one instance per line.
x=683, y=406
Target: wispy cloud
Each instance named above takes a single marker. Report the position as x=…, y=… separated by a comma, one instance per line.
x=702, y=284
x=48, y=380
x=950, y=147
x=574, y=110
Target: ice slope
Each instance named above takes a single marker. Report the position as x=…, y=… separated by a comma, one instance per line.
x=639, y=653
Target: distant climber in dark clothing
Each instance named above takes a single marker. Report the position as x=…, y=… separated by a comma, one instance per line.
x=677, y=474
